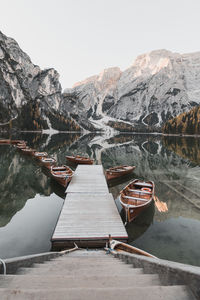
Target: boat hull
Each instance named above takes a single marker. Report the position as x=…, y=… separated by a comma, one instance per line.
x=136, y=197
x=48, y=162
x=62, y=181
x=5, y=141
x=40, y=155
x=120, y=246
x=15, y=142
x=28, y=151
x=81, y=160
x=133, y=212
x=21, y=146
x=116, y=174
x=62, y=175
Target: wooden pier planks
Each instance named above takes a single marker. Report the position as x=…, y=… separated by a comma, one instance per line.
x=89, y=213
x=88, y=179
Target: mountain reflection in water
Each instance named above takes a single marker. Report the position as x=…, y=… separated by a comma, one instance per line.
x=172, y=163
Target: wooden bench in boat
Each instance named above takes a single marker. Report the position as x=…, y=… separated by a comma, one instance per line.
x=135, y=198
x=140, y=191
x=116, y=170
x=143, y=184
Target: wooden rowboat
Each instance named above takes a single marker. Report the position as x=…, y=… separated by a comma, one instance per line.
x=40, y=155
x=118, y=171
x=62, y=175
x=15, y=142
x=135, y=197
x=29, y=151
x=21, y=146
x=4, y=141
x=120, y=246
x=48, y=162
x=80, y=159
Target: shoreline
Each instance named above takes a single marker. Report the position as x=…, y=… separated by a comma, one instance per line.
x=102, y=132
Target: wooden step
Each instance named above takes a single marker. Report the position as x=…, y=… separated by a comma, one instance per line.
x=71, y=265
x=135, y=293
x=51, y=270
x=60, y=281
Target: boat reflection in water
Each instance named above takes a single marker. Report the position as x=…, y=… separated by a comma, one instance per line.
x=172, y=163
x=57, y=188
x=139, y=225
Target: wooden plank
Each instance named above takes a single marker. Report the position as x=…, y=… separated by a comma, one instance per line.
x=88, y=179
x=89, y=214
x=89, y=217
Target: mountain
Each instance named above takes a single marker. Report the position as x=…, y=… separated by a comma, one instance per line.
x=158, y=86
x=29, y=97
x=185, y=123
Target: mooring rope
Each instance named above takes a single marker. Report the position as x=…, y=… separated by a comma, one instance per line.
x=126, y=215
x=70, y=250
x=4, y=266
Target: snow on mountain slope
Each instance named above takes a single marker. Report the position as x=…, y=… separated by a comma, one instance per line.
x=159, y=85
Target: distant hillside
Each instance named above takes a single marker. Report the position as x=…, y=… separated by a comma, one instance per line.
x=185, y=123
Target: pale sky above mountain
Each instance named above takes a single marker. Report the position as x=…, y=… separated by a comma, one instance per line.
x=80, y=38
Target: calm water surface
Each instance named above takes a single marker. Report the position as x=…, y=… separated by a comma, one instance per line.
x=30, y=202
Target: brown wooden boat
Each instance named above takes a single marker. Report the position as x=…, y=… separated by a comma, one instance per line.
x=77, y=159
x=29, y=151
x=4, y=141
x=40, y=155
x=118, y=171
x=120, y=246
x=135, y=197
x=15, y=142
x=62, y=175
x=21, y=146
x=48, y=162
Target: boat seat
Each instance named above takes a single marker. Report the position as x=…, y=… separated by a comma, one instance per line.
x=140, y=191
x=143, y=184
x=135, y=198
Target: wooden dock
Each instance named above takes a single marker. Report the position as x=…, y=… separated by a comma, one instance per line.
x=89, y=213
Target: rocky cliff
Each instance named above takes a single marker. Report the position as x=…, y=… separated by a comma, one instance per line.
x=158, y=86
x=29, y=97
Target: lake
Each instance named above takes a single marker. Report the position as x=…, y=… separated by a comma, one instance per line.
x=30, y=202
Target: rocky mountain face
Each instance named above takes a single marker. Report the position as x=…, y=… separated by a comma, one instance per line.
x=29, y=97
x=89, y=100
x=158, y=86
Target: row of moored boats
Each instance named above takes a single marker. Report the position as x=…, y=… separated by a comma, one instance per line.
x=134, y=197
x=62, y=174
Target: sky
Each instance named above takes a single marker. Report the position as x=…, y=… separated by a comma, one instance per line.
x=80, y=38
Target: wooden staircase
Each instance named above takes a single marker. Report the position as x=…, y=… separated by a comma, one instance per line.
x=85, y=275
